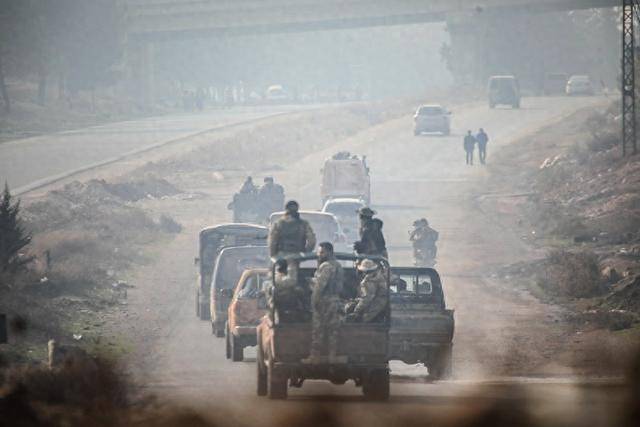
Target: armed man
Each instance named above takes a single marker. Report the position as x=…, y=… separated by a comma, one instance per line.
x=288, y=293
x=291, y=234
x=326, y=287
x=373, y=296
x=371, y=238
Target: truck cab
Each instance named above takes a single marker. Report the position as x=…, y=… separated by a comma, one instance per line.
x=247, y=307
x=230, y=265
x=421, y=325
x=362, y=347
x=345, y=175
x=211, y=241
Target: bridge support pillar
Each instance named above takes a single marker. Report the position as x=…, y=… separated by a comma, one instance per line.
x=629, y=136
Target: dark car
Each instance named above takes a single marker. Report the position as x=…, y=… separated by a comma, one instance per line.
x=211, y=241
x=504, y=90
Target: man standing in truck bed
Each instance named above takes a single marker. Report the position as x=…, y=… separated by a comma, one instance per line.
x=326, y=287
x=291, y=234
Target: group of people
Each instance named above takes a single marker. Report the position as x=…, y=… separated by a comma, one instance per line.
x=253, y=204
x=469, y=144
x=291, y=236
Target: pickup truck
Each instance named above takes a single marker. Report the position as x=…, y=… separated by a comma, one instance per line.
x=421, y=325
x=247, y=307
x=362, y=347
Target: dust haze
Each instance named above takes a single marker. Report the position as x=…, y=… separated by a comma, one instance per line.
x=319, y=213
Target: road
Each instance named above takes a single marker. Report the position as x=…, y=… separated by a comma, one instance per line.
x=505, y=338
x=30, y=163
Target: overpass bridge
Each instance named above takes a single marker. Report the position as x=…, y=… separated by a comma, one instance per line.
x=158, y=20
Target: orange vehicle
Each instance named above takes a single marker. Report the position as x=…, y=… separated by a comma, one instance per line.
x=247, y=307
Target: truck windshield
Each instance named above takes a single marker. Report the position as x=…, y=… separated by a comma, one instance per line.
x=229, y=268
x=344, y=210
x=430, y=111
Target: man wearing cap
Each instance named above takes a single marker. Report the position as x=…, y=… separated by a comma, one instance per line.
x=373, y=295
x=326, y=287
x=291, y=234
x=371, y=239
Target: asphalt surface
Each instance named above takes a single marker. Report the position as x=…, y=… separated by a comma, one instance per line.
x=30, y=163
x=412, y=177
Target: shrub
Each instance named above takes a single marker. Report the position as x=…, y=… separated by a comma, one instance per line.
x=574, y=275
x=13, y=237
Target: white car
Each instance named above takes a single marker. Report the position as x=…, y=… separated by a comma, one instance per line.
x=346, y=211
x=432, y=118
x=579, y=85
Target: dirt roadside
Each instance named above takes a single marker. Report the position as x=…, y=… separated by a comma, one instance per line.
x=570, y=200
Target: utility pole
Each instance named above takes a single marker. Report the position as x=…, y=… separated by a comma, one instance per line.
x=628, y=78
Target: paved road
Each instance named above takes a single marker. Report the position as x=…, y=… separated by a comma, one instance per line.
x=28, y=163
x=412, y=177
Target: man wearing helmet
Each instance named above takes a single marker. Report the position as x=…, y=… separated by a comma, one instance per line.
x=291, y=234
x=373, y=295
x=371, y=239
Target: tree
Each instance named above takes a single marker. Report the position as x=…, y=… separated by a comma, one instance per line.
x=13, y=237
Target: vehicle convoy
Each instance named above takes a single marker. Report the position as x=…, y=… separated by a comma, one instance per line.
x=421, y=325
x=211, y=241
x=345, y=175
x=230, y=265
x=324, y=225
x=346, y=212
x=432, y=118
x=362, y=347
x=504, y=90
x=579, y=85
x=248, y=305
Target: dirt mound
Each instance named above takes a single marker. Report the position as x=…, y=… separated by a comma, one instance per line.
x=137, y=190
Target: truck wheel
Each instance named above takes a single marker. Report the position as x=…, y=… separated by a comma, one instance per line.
x=276, y=383
x=442, y=367
x=228, y=344
x=237, y=353
x=219, y=332
x=261, y=372
x=416, y=133
x=376, y=385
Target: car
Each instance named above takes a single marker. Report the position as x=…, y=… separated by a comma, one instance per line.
x=345, y=175
x=248, y=305
x=211, y=241
x=230, y=265
x=324, y=225
x=432, y=118
x=504, y=90
x=555, y=83
x=421, y=325
x=362, y=349
x=346, y=212
x=579, y=85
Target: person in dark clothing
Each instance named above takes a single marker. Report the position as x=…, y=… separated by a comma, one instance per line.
x=371, y=238
x=482, y=138
x=469, y=146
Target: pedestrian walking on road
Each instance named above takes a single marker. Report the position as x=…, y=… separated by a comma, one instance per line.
x=469, y=146
x=482, y=138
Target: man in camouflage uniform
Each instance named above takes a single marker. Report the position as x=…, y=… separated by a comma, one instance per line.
x=371, y=239
x=373, y=295
x=326, y=286
x=291, y=234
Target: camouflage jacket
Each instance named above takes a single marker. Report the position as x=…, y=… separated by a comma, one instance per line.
x=327, y=282
x=291, y=235
x=372, y=296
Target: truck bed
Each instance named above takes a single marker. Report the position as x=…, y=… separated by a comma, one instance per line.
x=360, y=342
